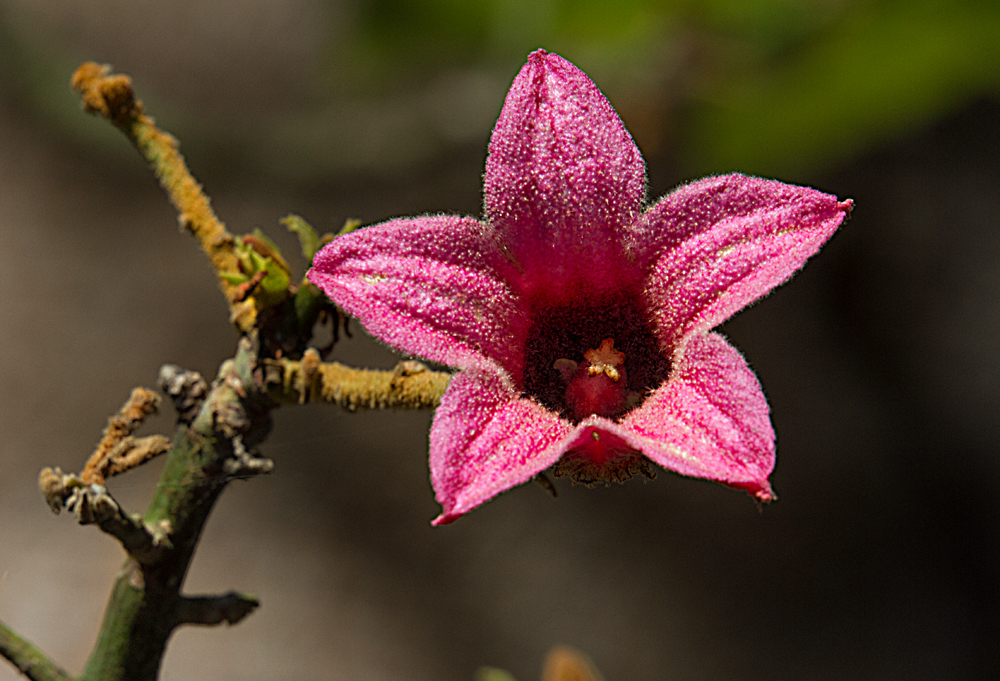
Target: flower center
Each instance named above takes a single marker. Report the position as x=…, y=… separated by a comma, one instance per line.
x=597, y=385
x=593, y=356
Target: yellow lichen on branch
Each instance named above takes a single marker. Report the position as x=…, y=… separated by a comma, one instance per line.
x=112, y=97
x=411, y=385
x=118, y=451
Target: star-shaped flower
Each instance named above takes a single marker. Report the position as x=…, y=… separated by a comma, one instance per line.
x=580, y=319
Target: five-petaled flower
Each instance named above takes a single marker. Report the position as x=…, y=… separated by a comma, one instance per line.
x=581, y=320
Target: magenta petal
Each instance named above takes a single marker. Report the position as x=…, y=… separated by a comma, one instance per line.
x=721, y=243
x=428, y=287
x=563, y=177
x=710, y=420
x=486, y=439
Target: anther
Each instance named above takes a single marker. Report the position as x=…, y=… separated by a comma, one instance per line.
x=605, y=360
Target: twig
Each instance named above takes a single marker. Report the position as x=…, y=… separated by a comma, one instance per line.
x=211, y=610
x=243, y=464
x=145, y=545
x=112, y=97
x=410, y=385
x=92, y=504
x=28, y=659
x=118, y=451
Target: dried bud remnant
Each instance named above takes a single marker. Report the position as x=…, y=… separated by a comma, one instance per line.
x=104, y=94
x=56, y=487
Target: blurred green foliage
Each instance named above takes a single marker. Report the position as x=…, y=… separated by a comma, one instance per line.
x=766, y=86
x=398, y=40
x=772, y=87
x=872, y=70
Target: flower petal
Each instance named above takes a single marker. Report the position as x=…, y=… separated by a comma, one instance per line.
x=563, y=177
x=427, y=286
x=486, y=439
x=710, y=419
x=720, y=243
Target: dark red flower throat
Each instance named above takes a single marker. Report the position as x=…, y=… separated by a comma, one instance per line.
x=593, y=357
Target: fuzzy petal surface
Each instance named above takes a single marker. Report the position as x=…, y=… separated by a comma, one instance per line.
x=427, y=286
x=486, y=438
x=563, y=179
x=719, y=244
x=709, y=420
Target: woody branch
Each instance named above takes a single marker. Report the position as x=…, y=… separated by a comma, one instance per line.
x=218, y=426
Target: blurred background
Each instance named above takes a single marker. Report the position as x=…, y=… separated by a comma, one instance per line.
x=881, y=360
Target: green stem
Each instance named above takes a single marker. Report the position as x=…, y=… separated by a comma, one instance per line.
x=146, y=604
x=29, y=660
x=143, y=609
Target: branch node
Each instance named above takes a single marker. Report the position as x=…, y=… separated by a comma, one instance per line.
x=161, y=534
x=87, y=503
x=224, y=403
x=187, y=389
x=408, y=368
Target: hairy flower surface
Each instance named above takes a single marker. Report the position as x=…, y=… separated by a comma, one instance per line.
x=581, y=323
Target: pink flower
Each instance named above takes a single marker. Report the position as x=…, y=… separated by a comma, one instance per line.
x=579, y=318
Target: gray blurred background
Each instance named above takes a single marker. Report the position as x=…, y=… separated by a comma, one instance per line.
x=880, y=360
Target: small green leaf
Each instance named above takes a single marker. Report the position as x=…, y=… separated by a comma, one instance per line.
x=234, y=278
x=246, y=262
x=275, y=283
x=308, y=238
x=273, y=288
x=259, y=242
x=266, y=239
x=258, y=261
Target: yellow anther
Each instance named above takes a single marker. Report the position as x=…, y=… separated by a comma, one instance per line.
x=605, y=360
